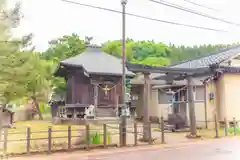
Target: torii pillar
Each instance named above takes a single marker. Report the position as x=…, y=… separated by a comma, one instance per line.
x=191, y=106
x=146, y=105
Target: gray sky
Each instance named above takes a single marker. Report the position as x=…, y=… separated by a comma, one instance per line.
x=48, y=19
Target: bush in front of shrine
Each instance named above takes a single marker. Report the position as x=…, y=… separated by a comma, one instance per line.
x=98, y=138
x=95, y=138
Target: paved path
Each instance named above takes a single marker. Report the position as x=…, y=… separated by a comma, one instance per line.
x=221, y=149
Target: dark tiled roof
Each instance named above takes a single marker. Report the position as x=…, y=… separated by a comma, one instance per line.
x=206, y=61
x=94, y=61
x=211, y=59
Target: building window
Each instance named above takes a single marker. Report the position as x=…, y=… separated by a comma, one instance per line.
x=199, y=93
x=163, y=98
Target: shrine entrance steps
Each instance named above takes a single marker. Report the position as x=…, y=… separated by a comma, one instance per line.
x=106, y=112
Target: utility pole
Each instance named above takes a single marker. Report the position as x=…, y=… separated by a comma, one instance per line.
x=1, y=124
x=124, y=117
x=191, y=107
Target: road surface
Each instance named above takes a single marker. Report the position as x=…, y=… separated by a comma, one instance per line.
x=222, y=149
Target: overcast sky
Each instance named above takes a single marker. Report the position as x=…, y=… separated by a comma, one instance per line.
x=49, y=19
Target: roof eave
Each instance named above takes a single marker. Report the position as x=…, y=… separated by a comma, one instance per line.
x=112, y=74
x=61, y=67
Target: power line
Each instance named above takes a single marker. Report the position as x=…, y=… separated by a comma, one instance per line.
x=144, y=17
x=172, y=5
x=200, y=5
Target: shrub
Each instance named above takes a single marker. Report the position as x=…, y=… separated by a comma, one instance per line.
x=231, y=130
x=98, y=138
x=95, y=139
x=44, y=108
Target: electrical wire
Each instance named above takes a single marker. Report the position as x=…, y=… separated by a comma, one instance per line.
x=144, y=17
x=172, y=5
x=200, y=5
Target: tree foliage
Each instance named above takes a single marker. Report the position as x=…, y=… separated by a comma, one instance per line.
x=11, y=59
x=64, y=47
x=23, y=73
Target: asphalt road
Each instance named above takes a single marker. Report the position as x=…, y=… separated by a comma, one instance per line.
x=222, y=149
x=216, y=150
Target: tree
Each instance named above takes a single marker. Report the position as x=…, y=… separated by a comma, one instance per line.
x=65, y=47
x=11, y=58
x=115, y=48
x=37, y=78
x=142, y=52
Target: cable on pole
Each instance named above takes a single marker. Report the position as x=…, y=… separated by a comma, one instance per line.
x=200, y=5
x=144, y=17
x=172, y=5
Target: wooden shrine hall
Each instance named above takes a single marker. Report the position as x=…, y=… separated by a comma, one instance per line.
x=93, y=81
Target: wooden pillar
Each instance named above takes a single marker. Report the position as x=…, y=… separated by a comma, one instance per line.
x=191, y=107
x=179, y=99
x=115, y=96
x=95, y=95
x=205, y=104
x=73, y=89
x=116, y=100
x=146, y=105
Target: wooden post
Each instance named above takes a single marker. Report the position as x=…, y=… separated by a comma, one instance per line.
x=28, y=140
x=146, y=102
x=135, y=134
x=216, y=126
x=226, y=126
x=205, y=105
x=73, y=89
x=191, y=107
x=87, y=136
x=95, y=95
x=5, y=140
x=162, y=131
x=150, y=133
x=49, y=140
x=120, y=135
x=115, y=96
x=178, y=104
x=234, y=126
x=105, y=135
x=69, y=137
x=116, y=103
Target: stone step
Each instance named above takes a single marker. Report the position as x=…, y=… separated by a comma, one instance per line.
x=105, y=112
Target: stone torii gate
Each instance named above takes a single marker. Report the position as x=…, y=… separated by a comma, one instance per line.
x=170, y=75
